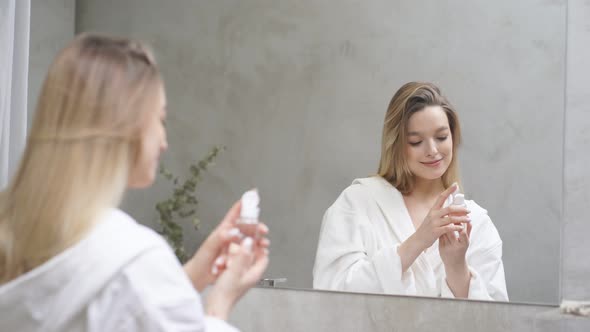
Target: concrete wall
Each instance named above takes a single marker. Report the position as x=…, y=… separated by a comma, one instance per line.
x=52, y=27
x=297, y=91
x=575, y=272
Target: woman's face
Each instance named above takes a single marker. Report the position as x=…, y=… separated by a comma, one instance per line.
x=152, y=143
x=429, y=150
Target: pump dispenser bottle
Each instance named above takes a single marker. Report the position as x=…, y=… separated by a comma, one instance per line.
x=248, y=221
x=458, y=199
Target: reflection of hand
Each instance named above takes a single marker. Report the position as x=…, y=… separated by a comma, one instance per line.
x=452, y=252
x=213, y=251
x=245, y=265
x=438, y=222
x=441, y=220
x=452, y=249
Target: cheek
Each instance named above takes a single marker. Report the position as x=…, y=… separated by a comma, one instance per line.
x=413, y=153
x=448, y=150
x=146, y=152
x=409, y=154
x=150, y=148
x=449, y=146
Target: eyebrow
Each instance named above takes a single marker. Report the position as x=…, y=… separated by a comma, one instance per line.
x=416, y=133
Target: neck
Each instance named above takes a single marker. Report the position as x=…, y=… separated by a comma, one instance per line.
x=427, y=188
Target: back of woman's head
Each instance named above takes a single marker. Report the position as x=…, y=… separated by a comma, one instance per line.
x=81, y=146
x=413, y=97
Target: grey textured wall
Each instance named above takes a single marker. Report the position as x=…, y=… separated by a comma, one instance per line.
x=575, y=273
x=52, y=27
x=297, y=91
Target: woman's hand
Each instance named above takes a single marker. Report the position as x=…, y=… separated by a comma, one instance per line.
x=245, y=265
x=438, y=221
x=452, y=249
x=452, y=252
x=210, y=259
x=441, y=220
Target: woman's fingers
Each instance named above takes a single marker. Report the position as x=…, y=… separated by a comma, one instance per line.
x=248, y=262
x=440, y=200
x=264, y=242
x=232, y=214
x=262, y=229
x=452, y=220
x=455, y=210
x=450, y=228
x=254, y=273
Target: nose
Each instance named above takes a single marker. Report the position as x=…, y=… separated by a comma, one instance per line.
x=432, y=150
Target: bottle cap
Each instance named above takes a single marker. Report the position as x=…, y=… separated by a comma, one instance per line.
x=250, y=201
x=459, y=199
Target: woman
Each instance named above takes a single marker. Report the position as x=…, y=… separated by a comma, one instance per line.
x=394, y=233
x=69, y=259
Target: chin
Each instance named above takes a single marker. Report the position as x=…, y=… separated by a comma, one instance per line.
x=432, y=174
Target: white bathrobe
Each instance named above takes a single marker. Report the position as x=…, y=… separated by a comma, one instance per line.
x=361, y=231
x=121, y=277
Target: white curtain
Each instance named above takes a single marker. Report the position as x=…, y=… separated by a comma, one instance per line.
x=14, y=63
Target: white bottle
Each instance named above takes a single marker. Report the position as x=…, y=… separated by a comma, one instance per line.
x=246, y=225
x=248, y=221
x=458, y=199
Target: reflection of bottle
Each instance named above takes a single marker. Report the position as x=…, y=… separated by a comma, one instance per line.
x=248, y=221
x=458, y=199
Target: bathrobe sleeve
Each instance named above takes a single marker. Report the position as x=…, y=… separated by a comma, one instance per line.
x=152, y=294
x=350, y=256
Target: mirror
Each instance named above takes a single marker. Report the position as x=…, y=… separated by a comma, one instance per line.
x=297, y=92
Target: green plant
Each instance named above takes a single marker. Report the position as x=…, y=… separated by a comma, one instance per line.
x=181, y=205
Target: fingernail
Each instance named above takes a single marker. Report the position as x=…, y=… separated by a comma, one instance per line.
x=234, y=232
x=220, y=260
x=265, y=251
x=264, y=228
x=214, y=270
x=233, y=249
x=247, y=243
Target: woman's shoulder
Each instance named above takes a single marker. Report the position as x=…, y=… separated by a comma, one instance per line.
x=150, y=280
x=117, y=224
x=152, y=290
x=118, y=241
x=362, y=191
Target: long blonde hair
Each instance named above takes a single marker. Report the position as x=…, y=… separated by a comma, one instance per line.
x=409, y=99
x=84, y=140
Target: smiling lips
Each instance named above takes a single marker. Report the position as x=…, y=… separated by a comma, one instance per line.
x=435, y=163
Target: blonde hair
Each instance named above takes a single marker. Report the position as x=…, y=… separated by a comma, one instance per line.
x=411, y=98
x=84, y=140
